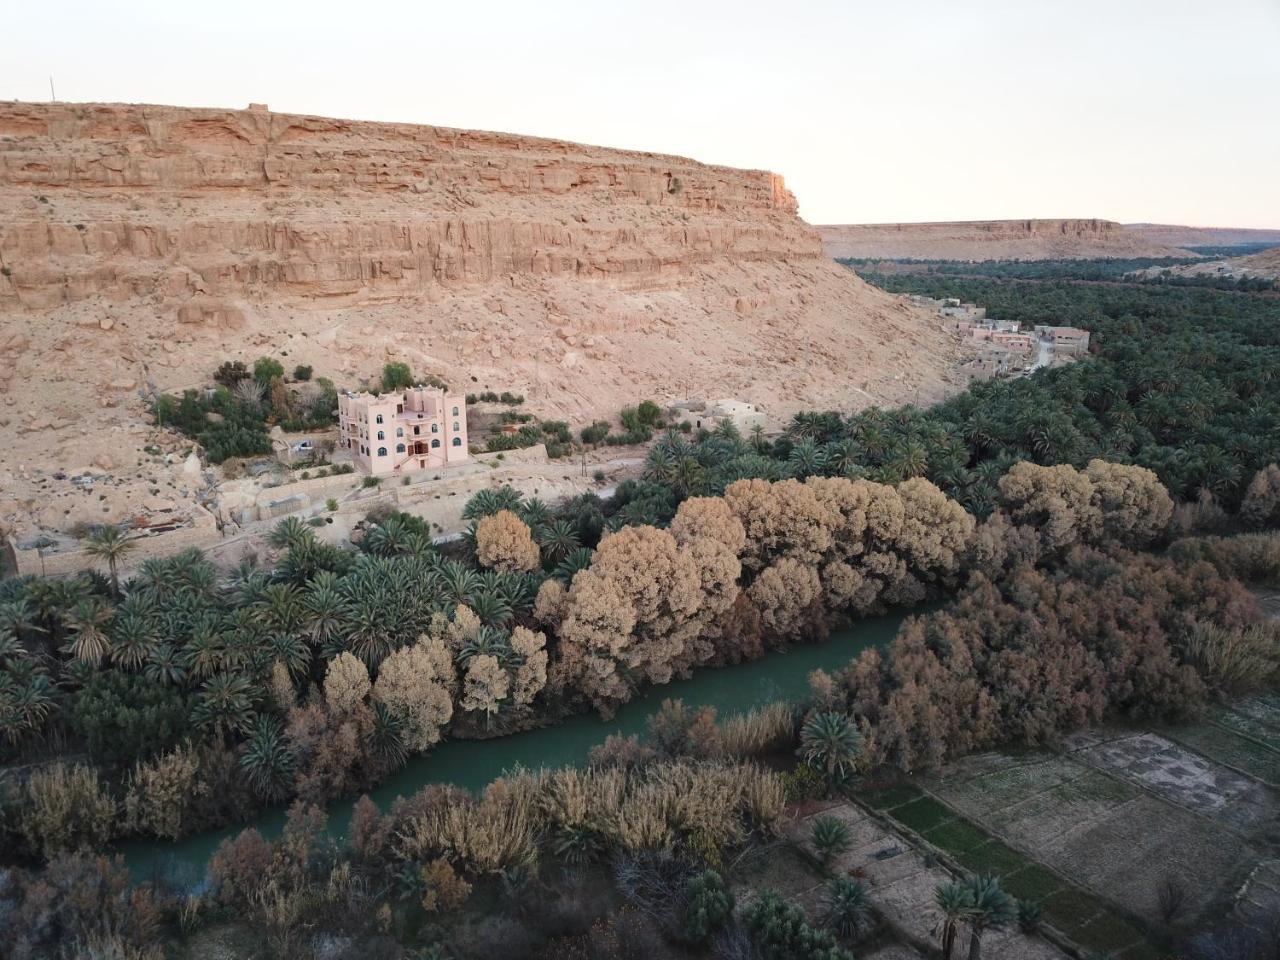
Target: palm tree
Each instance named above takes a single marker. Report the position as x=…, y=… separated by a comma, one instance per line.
x=108, y=543
x=132, y=638
x=579, y=559
x=807, y=458
x=26, y=698
x=992, y=909
x=388, y=538
x=831, y=743
x=830, y=838
x=386, y=738
x=267, y=761
x=534, y=513
x=89, y=620
x=953, y=902
x=846, y=906
x=688, y=478
x=224, y=704
x=557, y=539
x=289, y=533
x=164, y=666
x=492, y=608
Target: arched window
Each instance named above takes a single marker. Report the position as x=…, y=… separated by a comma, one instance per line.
x=379, y=418
x=399, y=431
x=435, y=428
x=456, y=428
x=399, y=448
x=434, y=444
x=457, y=441
x=381, y=435
x=382, y=451
x=455, y=413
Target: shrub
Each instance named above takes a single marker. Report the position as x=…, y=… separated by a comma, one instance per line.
x=762, y=730
x=781, y=932
x=445, y=890
x=1234, y=661
x=830, y=838
x=1030, y=913
x=708, y=906
x=265, y=369
x=164, y=793
x=302, y=372
x=66, y=809
x=679, y=731
x=230, y=373
x=370, y=481
x=649, y=413
x=331, y=505
x=598, y=476
x=596, y=432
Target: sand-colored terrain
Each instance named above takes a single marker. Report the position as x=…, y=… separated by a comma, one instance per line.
x=143, y=245
x=1178, y=236
x=991, y=240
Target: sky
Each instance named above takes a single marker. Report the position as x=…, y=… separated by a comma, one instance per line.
x=1162, y=111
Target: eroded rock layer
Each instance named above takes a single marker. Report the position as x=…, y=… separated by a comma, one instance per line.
x=144, y=245
x=991, y=240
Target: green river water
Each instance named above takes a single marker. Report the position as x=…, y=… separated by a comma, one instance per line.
x=778, y=675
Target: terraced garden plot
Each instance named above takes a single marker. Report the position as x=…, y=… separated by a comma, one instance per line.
x=1171, y=771
x=1068, y=907
x=1227, y=747
x=1113, y=836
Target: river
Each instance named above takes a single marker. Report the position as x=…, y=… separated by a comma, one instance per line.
x=778, y=675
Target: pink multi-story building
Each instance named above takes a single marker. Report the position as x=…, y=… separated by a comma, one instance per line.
x=422, y=428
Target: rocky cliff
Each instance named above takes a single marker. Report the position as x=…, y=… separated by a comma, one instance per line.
x=991, y=240
x=147, y=244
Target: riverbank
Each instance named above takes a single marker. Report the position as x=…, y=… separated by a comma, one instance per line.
x=780, y=675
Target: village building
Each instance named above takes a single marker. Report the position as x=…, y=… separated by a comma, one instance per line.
x=421, y=428
x=707, y=416
x=1067, y=341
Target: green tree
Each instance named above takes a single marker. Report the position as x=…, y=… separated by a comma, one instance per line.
x=396, y=376
x=109, y=543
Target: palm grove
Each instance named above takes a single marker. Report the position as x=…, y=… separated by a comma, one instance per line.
x=202, y=697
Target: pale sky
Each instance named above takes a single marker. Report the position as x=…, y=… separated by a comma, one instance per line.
x=897, y=110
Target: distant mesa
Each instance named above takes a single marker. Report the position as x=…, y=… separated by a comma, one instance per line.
x=1068, y=239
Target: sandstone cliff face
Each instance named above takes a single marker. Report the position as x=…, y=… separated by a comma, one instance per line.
x=133, y=201
x=145, y=245
x=991, y=240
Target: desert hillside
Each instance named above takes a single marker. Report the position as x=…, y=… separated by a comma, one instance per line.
x=991, y=240
x=1178, y=236
x=146, y=244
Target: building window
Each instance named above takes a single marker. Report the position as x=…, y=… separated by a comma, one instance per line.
x=399, y=448
x=435, y=428
x=455, y=426
x=455, y=413
x=379, y=418
x=382, y=451
x=415, y=431
x=381, y=435
x=457, y=441
x=399, y=431
x=434, y=444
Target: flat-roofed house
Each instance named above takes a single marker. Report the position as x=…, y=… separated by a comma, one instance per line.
x=422, y=428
